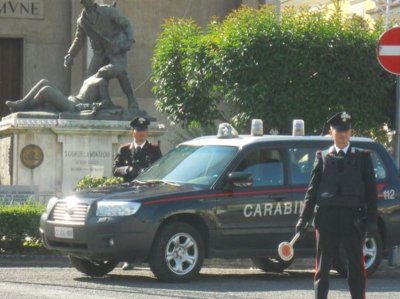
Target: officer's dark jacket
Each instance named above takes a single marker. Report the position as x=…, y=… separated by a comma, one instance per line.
x=354, y=187
x=127, y=156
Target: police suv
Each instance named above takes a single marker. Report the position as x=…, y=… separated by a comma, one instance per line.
x=225, y=196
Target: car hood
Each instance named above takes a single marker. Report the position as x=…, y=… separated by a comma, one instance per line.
x=137, y=193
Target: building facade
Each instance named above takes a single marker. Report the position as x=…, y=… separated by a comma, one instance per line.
x=33, y=39
x=388, y=10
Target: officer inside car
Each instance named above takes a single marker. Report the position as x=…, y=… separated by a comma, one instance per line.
x=342, y=192
x=134, y=157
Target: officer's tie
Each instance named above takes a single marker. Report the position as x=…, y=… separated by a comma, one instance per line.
x=137, y=150
x=341, y=156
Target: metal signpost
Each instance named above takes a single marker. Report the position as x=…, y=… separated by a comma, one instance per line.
x=388, y=53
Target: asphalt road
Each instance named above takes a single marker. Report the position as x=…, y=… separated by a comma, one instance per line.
x=32, y=280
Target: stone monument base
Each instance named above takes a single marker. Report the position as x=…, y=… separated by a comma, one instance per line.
x=54, y=154
x=117, y=113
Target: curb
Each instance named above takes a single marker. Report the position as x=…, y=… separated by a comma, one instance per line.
x=23, y=260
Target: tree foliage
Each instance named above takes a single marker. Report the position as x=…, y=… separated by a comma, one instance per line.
x=183, y=73
x=306, y=65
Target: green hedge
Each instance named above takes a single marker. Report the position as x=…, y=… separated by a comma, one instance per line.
x=19, y=226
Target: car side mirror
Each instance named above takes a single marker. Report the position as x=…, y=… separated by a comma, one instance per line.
x=240, y=179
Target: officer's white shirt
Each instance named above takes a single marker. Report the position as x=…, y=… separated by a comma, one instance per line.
x=138, y=145
x=135, y=145
x=335, y=148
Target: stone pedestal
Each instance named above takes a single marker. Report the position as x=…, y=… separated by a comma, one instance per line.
x=54, y=154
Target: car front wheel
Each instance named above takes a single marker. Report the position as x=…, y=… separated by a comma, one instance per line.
x=177, y=254
x=92, y=268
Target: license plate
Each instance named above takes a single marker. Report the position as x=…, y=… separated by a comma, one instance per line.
x=63, y=232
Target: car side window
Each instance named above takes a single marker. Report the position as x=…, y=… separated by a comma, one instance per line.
x=301, y=162
x=379, y=166
x=266, y=165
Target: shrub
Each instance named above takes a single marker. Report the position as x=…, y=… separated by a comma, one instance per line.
x=89, y=181
x=19, y=226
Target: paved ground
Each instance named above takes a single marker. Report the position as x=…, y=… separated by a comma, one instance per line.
x=35, y=281
x=16, y=260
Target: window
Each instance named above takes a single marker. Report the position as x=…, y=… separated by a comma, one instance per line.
x=200, y=165
x=266, y=166
x=301, y=161
x=379, y=168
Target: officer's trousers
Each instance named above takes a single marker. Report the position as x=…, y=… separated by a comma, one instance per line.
x=327, y=247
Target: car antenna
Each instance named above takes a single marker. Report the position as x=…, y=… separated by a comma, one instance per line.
x=323, y=129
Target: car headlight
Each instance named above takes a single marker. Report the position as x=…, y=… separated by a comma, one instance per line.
x=116, y=208
x=50, y=204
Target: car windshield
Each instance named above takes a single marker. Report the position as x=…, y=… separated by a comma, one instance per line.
x=201, y=165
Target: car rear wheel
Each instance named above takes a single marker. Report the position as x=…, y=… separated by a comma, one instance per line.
x=92, y=268
x=372, y=252
x=177, y=254
x=270, y=264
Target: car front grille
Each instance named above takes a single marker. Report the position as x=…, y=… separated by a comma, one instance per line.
x=66, y=212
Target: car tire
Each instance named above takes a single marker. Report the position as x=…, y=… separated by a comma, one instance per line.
x=177, y=254
x=92, y=268
x=373, y=252
x=270, y=264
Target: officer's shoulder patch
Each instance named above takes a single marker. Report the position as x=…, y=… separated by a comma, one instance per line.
x=366, y=152
x=125, y=145
x=324, y=153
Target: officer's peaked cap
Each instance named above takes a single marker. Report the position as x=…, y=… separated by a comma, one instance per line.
x=340, y=121
x=140, y=123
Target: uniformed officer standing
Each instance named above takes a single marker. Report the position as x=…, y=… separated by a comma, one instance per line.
x=138, y=155
x=134, y=157
x=343, y=190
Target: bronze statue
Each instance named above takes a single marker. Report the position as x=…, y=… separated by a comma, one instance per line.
x=111, y=37
x=93, y=95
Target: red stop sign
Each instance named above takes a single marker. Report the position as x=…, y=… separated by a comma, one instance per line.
x=388, y=51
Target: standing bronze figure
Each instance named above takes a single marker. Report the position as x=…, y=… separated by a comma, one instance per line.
x=111, y=37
